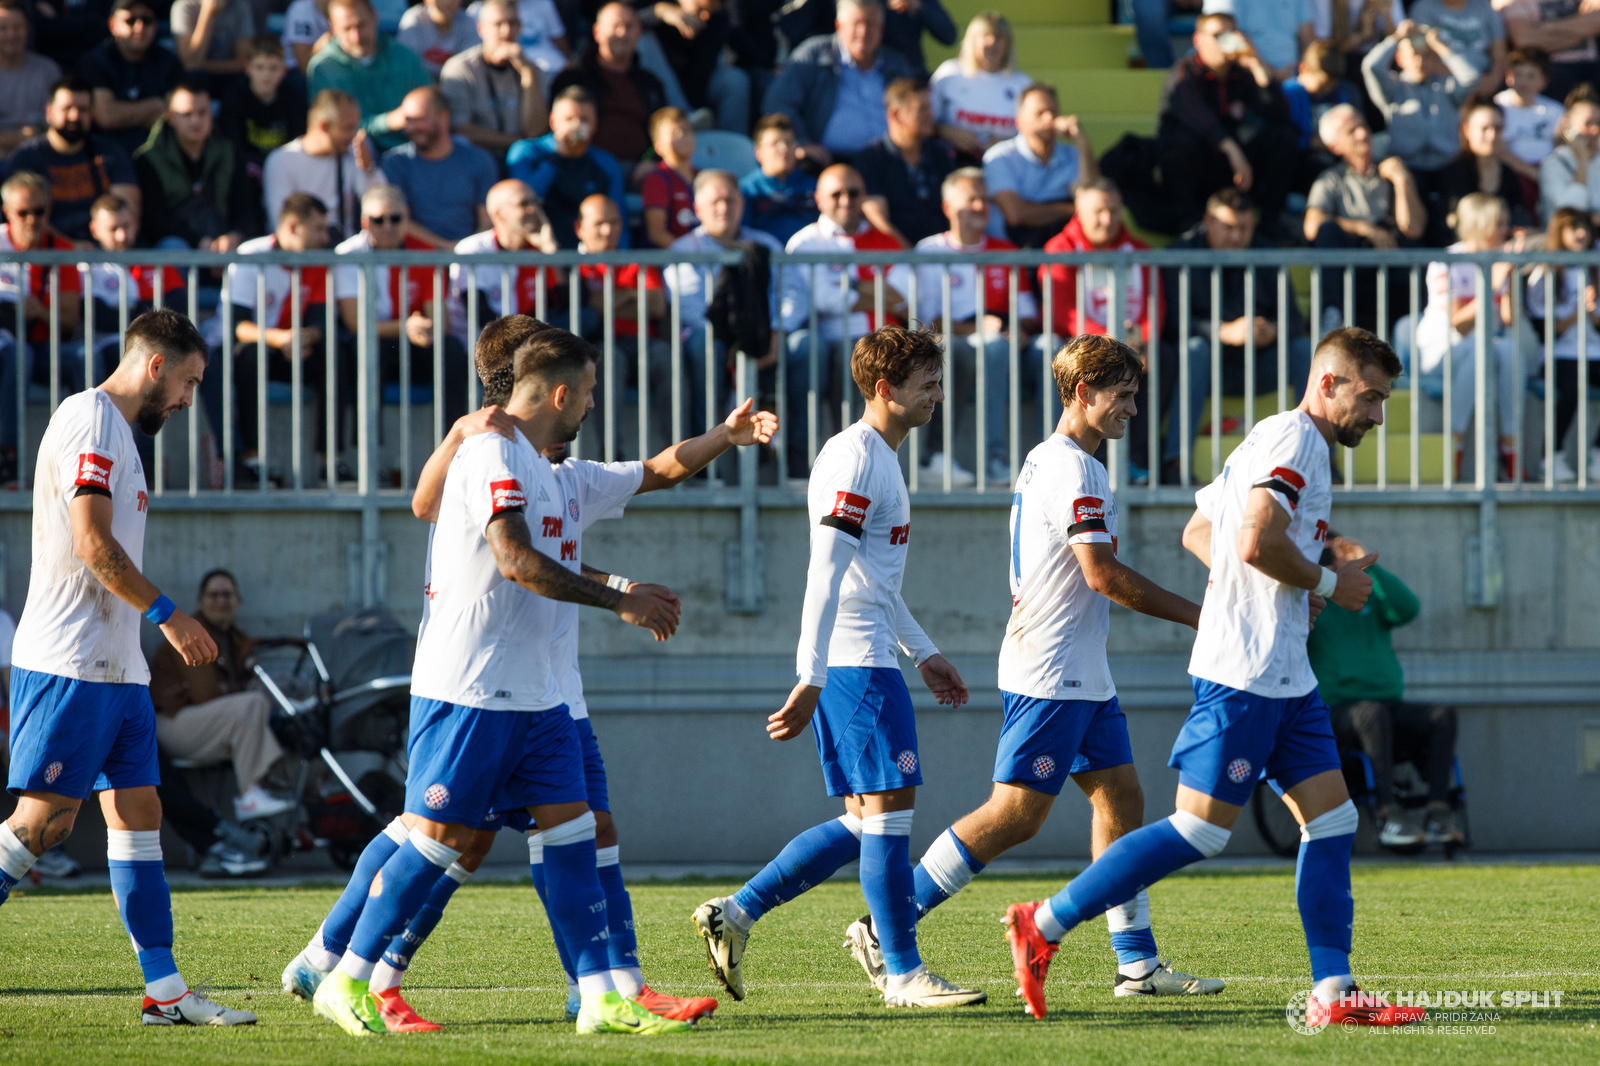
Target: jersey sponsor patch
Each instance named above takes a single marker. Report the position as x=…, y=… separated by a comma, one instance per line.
x=436, y=798
x=1239, y=771
x=1088, y=516
x=849, y=514
x=506, y=496
x=1285, y=481
x=94, y=470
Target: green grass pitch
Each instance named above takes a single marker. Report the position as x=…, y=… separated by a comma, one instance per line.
x=69, y=995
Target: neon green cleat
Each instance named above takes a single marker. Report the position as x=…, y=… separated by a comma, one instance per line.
x=345, y=1002
x=611, y=1013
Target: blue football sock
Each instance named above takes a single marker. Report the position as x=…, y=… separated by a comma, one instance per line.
x=139, y=883
x=341, y=920
x=887, y=883
x=1132, y=862
x=805, y=862
x=1129, y=924
x=405, y=883
x=622, y=947
x=544, y=900
x=574, y=899
x=1322, y=891
x=1134, y=945
x=401, y=948
x=945, y=869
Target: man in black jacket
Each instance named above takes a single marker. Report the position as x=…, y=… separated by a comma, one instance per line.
x=1224, y=121
x=193, y=183
x=626, y=94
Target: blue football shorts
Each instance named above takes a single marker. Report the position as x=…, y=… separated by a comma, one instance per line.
x=1042, y=738
x=1232, y=738
x=75, y=737
x=866, y=731
x=467, y=764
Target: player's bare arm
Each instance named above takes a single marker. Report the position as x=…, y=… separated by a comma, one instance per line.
x=1122, y=584
x=521, y=562
x=790, y=720
x=93, y=543
x=944, y=681
x=1197, y=537
x=1264, y=543
x=678, y=462
x=642, y=586
x=430, y=483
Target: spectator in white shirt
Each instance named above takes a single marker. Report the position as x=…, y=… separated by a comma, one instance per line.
x=975, y=95
x=437, y=30
x=334, y=161
x=1531, y=117
x=305, y=29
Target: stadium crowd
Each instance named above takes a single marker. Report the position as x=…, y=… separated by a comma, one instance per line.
x=571, y=124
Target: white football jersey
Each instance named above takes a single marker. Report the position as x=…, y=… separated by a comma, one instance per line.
x=589, y=492
x=1055, y=644
x=857, y=488
x=1253, y=629
x=72, y=625
x=485, y=640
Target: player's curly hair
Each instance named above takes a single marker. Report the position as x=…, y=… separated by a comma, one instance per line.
x=892, y=354
x=495, y=355
x=1095, y=360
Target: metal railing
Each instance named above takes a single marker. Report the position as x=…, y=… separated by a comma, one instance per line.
x=356, y=379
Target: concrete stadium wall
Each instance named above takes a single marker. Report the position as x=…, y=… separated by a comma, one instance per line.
x=682, y=722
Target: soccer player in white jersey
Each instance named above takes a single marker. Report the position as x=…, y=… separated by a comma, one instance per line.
x=81, y=717
x=489, y=732
x=1061, y=713
x=1259, y=527
x=850, y=687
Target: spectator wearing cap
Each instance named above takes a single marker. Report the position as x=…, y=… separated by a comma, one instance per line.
x=25, y=79
x=906, y=167
x=564, y=167
x=445, y=175
x=1224, y=121
x=622, y=93
x=1421, y=102
x=494, y=91
x=832, y=88
x=437, y=30
x=333, y=161
x=779, y=197
x=372, y=67
x=193, y=184
x=213, y=36
x=130, y=75
x=1030, y=177
x=80, y=165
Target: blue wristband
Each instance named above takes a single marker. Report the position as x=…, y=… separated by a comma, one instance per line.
x=161, y=610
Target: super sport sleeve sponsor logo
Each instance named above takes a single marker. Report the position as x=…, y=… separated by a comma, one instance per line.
x=1286, y=482
x=94, y=470
x=506, y=496
x=849, y=513
x=1088, y=516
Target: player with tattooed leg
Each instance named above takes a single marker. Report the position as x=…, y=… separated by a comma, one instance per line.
x=81, y=716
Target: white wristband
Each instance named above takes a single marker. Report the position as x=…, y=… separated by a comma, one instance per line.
x=1329, y=582
x=618, y=582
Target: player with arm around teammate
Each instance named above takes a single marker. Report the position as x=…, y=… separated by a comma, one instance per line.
x=1259, y=527
x=1061, y=713
x=81, y=717
x=850, y=687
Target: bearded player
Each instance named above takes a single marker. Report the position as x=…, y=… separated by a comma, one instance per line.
x=1259, y=527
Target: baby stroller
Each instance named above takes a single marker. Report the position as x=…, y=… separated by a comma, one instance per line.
x=350, y=729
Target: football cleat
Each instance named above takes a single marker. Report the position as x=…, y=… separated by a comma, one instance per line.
x=300, y=978
x=928, y=989
x=611, y=1013
x=862, y=940
x=1356, y=1008
x=192, y=1008
x=725, y=944
x=574, y=1003
x=1030, y=955
x=1165, y=981
x=677, y=1008
x=397, y=1015
x=347, y=1003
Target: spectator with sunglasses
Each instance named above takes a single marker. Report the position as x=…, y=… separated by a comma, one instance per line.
x=130, y=74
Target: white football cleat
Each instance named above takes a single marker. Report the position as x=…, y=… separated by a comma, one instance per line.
x=928, y=989
x=862, y=941
x=300, y=978
x=725, y=944
x=1165, y=981
x=192, y=1008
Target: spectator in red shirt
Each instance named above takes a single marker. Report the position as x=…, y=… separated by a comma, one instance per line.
x=668, y=189
x=1096, y=226
x=599, y=229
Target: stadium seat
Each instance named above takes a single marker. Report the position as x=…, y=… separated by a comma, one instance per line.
x=724, y=150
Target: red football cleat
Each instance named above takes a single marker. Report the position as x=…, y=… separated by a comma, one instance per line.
x=1030, y=955
x=398, y=1016
x=677, y=1008
x=1359, y=1008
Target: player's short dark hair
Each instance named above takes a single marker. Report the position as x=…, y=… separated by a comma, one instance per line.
x=893, y=354
x=1095, y=360
x=163, y=332
x=496, y=354
x=214, y=573
x=300, y=206
x=1529, y=57
x=1364, y=347
x=73, y=84
x=266, y=44
x=553, y=354
x=192, y=86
